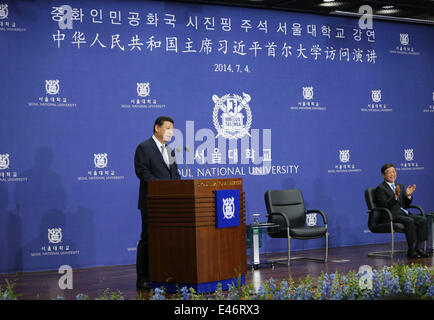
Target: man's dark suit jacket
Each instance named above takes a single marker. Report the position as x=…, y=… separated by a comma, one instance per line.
x=149, y=165
x=385, y=197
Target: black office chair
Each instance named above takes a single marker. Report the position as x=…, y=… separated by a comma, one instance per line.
x=286, y=208
x=378, y=224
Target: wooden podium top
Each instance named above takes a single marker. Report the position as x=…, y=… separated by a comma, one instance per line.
x=169, y=188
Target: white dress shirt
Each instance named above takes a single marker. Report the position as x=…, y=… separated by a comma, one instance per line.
x=393, y=189
x=163, y=150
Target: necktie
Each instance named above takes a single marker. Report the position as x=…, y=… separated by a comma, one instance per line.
x=393, y=187
x=165, y=155
x=405, y=211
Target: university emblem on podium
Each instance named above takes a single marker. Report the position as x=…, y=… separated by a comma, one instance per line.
x=52, y=86
x=344, y=156
x=55, y=235
x=143, y=89
x=100, y=160
x=228, y=208
x=234, y=109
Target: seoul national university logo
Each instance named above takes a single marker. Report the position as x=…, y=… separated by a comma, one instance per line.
x=4, y=161
x=55, y=235
x=376, y=95
x=404, y=39
x=408, y=154
x=52, y=86
x=4, y=11
x=100, y=160
x=311, y=219
x=228, y=207
x=344, y=156
x=232, y=118
x=308, y=93
x=143, y=89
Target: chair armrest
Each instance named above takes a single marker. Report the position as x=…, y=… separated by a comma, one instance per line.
x=324, y=218
x=280, y=214
x=418, y=208
x=383, y=210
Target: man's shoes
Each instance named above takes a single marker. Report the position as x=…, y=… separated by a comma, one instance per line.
x=421, y=253
x=412, y=254
x=143, y=284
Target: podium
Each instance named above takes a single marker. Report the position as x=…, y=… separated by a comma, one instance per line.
x=185, y=247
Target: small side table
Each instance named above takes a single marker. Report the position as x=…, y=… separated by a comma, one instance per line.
x=254, y=241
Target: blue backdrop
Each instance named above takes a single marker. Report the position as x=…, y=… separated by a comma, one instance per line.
x=283, y=100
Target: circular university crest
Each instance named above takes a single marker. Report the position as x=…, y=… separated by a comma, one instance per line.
x=4, y=11
x=143, y=89
x=376, y=95
x=232, y=117
x=4, y=161
x=100, y=160
x=344, y=156
x=311, y=219
x=55, y=235
x=408, y=154
x=308, y=93
x=52, y=86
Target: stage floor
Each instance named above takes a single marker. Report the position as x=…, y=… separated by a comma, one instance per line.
x=94, y=281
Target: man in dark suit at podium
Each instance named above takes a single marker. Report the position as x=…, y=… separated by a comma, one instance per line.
x=393, y=196
x=153, y=160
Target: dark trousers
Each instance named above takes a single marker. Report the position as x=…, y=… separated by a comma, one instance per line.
x=142, y=260
x=416, y=229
